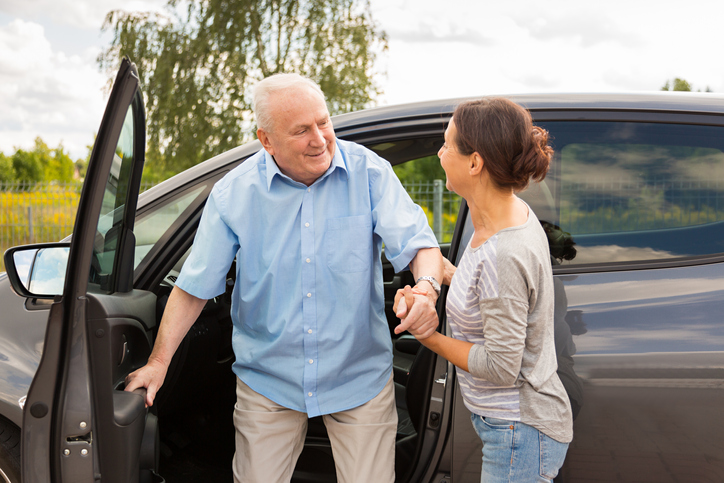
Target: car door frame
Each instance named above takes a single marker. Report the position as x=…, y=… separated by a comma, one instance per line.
x=55, y=446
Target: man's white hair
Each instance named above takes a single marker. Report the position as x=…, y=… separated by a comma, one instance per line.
x=266, y=88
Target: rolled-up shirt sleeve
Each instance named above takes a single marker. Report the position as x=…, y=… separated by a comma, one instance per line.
x=204, y=273
x=398, y=221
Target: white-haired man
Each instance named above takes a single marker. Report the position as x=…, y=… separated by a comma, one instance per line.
x=305, y=219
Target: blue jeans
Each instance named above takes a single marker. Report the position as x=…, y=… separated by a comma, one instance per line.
x=516, y=452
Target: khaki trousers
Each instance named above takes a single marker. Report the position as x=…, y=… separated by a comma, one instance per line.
x=269, y=439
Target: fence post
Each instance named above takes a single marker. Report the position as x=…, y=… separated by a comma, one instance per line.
x=437, y=208
x=30, y=224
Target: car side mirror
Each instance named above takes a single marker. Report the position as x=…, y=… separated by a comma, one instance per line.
x=37, y=271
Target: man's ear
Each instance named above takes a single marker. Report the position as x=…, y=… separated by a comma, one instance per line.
x=265, y=141
x=476, y=164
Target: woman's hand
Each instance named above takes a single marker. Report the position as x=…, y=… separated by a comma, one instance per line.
x=416, y=309
x=449, y=271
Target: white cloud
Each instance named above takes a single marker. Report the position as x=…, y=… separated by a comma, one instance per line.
x=557, y=46
x=46, y=93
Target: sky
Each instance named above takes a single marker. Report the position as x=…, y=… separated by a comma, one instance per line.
x=51, y=85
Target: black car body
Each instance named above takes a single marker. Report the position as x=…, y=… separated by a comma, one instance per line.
x=634, y=209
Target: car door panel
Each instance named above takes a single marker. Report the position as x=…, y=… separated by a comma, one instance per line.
x=649, y=354
x=119, y=325
x=642, y=295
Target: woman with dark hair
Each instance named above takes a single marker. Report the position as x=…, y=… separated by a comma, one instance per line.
x=500, y=303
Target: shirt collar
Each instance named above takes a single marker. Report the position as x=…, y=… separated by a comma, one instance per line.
x=273, y=170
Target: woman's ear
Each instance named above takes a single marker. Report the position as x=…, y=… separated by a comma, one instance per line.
x=476, y=164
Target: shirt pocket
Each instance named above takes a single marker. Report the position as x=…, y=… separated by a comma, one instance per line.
x=348, y=243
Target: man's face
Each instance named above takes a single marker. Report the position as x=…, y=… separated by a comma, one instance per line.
x=301, y=138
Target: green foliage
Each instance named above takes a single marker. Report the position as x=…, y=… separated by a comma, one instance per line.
x=40, y=164
x=418, y=177
x=681, y=85
x=420, y=170
x=7, y=173
x=198, y=65
x=27, y=166
x=59, y=167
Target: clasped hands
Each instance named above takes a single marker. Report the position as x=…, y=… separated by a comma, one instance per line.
x=415, y=307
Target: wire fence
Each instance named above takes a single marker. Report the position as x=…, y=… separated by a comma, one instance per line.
x=45, y=212
x=439, y=204
x=37, y=212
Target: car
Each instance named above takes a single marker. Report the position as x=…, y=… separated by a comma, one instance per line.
x=633, y=207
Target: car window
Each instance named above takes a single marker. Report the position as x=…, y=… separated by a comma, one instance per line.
x=416, y=164
x=113, y=205
x=624, y=191
x=151, y=226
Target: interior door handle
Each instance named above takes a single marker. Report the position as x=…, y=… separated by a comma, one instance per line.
x=128, y=406
x=395, y=282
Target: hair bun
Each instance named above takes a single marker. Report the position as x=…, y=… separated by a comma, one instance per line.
x=502, y=132
x=544, y=153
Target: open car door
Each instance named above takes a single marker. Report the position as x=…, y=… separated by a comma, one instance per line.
x=78, y=423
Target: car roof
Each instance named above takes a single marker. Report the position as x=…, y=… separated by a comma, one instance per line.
x=691, y=102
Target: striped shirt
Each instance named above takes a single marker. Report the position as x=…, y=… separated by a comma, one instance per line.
x=502, y=299
x=476, y=279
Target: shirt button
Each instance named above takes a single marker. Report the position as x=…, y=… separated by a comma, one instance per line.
x=310, y=331
x=311, y=361
x=309, y=260
x=306, y=224
x=309, y=295
x=309, y=190
x=309, y=394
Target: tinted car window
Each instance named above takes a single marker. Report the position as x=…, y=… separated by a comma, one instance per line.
x=623, y=192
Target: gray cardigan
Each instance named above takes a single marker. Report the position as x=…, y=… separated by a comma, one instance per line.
x=519, y=348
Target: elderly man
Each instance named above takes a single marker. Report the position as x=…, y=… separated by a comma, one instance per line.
x=305, y=219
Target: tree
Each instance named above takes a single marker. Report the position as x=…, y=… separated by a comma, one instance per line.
x=197, y=65
x=27, y=166
x=7, y=173
x=40, y=164
x=59, y=166
x=679, y=84
x=421, y=170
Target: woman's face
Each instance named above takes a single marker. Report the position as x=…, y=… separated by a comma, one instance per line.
x=456, y=165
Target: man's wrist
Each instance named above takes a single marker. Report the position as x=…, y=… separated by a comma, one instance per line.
x=429, y=288
x=431, y=281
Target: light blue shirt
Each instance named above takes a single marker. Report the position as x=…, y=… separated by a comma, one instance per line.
x=310, y=331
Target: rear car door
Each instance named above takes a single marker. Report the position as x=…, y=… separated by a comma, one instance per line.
x=637, y=234
x=79, y=425
x=632, y=207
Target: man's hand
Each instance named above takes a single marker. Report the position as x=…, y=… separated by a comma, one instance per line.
x=416, y=309
x=181, y=312
x=150, y=376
